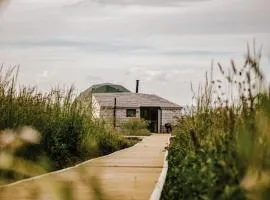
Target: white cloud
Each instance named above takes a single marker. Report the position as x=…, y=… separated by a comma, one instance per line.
x=92, y=41
x=165, y=75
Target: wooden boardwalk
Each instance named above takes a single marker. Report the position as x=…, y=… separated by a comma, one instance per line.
x=131, y=173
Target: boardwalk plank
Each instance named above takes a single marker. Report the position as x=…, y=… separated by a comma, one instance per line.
x=131, y=173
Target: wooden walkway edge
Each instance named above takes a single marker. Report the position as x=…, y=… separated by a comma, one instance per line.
x=133, y=173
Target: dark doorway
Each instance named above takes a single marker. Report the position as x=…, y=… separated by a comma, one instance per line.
x=151, y=115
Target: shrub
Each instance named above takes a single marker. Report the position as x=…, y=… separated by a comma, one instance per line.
x=221, y=148
x=135, y=126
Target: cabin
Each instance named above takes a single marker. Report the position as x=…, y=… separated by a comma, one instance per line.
x=117, y=104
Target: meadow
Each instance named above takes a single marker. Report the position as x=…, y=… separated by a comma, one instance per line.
x=43, y=132
x=221, y=147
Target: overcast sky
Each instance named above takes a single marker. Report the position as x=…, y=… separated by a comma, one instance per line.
x=165, y=43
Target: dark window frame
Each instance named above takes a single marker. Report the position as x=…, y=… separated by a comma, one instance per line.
x=131, y=112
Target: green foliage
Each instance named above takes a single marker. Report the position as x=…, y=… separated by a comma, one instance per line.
x=68, y=132
x=202, y=174
x=109, y=143
x=136, y=127
x=221, y=148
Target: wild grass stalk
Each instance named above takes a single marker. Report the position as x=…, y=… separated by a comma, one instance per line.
x=221, y=149
x=69, y=133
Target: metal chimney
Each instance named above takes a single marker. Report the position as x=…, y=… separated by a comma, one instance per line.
x=137, y=86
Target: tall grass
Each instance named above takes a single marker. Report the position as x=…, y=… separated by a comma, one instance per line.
x=221, y=148
x=68, y=132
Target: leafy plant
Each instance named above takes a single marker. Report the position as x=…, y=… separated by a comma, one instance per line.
x=136, y=127
x=221, y=148
x=68, y=132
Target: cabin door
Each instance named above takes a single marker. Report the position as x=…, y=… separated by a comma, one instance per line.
x=152, y=116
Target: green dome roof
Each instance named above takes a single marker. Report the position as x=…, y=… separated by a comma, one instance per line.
x=106, y=88
x=102, y=88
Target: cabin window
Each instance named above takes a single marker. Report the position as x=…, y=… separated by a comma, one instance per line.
x=131, y=112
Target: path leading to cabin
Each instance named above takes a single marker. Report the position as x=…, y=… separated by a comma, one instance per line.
x=131, y=173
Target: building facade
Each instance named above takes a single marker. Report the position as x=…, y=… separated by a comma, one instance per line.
x=120, y=107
